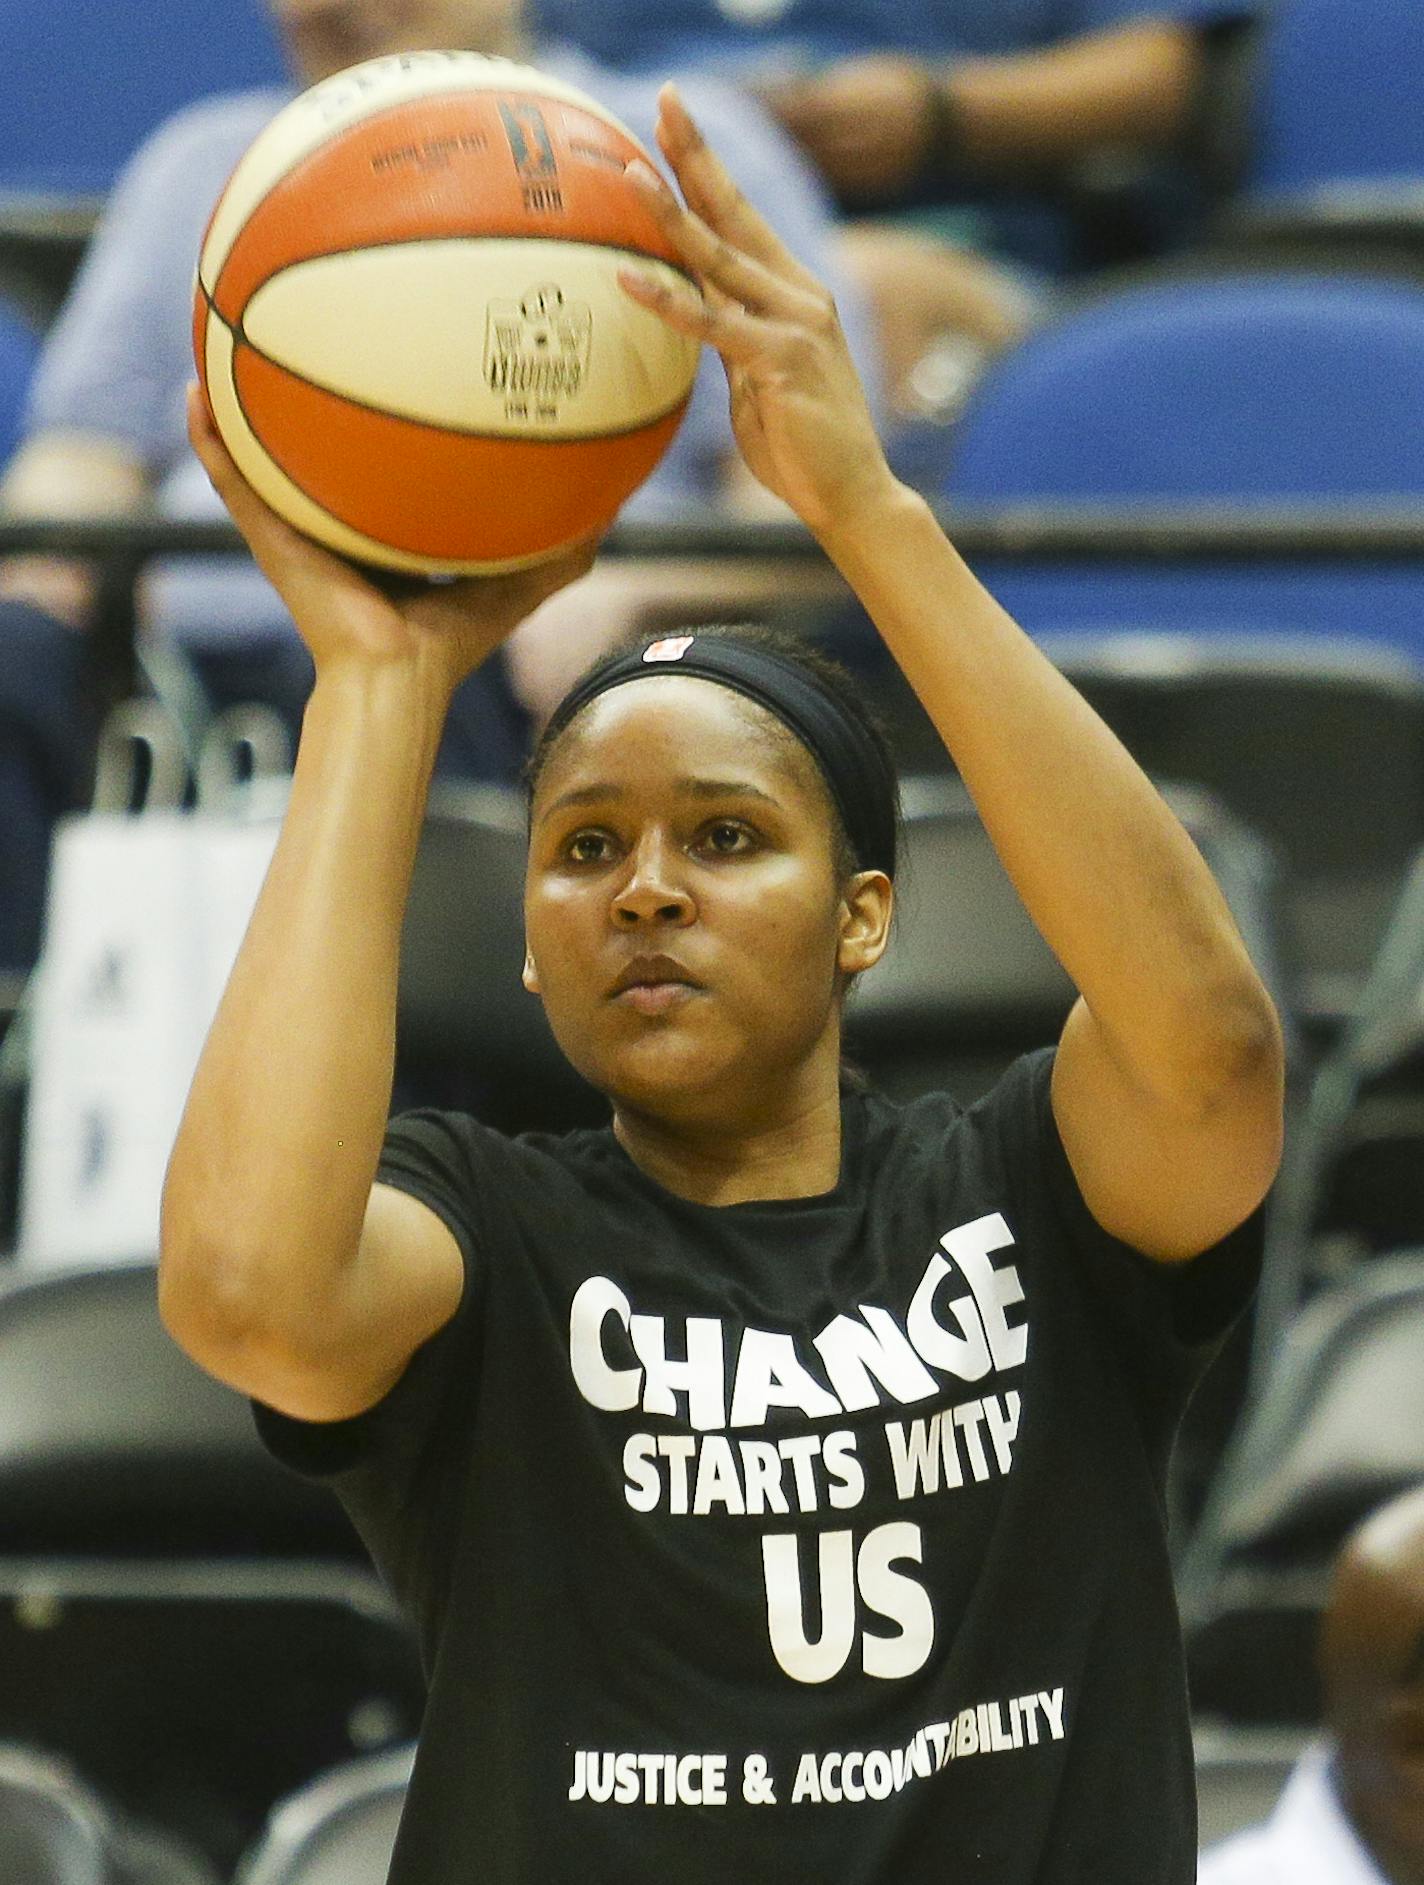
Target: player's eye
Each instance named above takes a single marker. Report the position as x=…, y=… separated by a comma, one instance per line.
x=588, y=847
x=726, y=838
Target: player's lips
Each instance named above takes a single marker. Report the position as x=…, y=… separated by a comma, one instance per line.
x=653, y=984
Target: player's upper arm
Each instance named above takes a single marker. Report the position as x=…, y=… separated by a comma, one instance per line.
x=1170, y=1181
x=403, y=1286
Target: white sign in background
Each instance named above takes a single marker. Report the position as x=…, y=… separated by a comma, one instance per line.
x=145, y=917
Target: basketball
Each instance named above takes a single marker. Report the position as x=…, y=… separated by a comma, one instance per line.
x=408, y=324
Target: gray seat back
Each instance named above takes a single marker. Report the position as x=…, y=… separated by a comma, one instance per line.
x=339, y=1830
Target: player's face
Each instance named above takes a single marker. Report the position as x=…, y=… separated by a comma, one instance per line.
x=680, y=837
x=323, y=36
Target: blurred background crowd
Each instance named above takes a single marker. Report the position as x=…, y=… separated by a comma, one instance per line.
x=1137, y=288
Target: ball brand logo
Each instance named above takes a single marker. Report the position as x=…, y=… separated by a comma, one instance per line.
x=433, y=153
x=536, y=351
x=533, y=151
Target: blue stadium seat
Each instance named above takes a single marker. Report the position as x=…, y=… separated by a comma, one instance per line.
x=1234, y=390
x=1337, y=91
x=19, y=349
x=81, y=85
x=1234, y=387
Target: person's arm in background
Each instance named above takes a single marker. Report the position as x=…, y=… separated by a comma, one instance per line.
x=875, y=126
x=105, y=414
x=66, y=475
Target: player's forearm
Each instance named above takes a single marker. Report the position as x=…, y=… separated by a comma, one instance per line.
x=1134, y=86
x=1109, y=876
x=274, y=1160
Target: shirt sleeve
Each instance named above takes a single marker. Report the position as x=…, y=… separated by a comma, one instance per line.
x=1164, y=1321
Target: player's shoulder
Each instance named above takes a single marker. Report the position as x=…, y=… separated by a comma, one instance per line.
x=1019, y=1093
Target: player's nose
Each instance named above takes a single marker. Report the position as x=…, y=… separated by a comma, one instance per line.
x=654, y=887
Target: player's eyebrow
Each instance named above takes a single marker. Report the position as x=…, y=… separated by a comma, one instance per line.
x=606, y=792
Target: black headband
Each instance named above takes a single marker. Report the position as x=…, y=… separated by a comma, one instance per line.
x=861, y=783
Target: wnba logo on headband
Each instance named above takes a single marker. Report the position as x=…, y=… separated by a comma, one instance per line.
x=671, y=648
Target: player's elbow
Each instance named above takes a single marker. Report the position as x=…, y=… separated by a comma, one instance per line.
x=1239, y=1046
x=1223, y=1057
x=1256, y=1050
x=208, y=1298
x=1244, y=1081
x=223, y=1297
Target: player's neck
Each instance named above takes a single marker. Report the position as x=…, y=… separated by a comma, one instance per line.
x=795, y=1153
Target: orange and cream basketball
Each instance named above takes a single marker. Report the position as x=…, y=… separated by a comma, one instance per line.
x=408, y=322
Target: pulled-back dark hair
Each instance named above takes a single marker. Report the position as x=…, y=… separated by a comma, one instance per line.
x=819, y=667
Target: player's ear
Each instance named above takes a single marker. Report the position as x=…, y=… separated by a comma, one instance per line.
x=867, y=902
x=530, y=976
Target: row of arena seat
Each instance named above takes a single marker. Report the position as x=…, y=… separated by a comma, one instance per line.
x=82, y=85
x=340, y=1827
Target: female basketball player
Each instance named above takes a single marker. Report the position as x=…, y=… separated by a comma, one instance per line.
x=775, y=1476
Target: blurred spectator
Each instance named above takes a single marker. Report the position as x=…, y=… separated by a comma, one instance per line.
x=105, y=435
x=1353, y=1811
x=984, y=109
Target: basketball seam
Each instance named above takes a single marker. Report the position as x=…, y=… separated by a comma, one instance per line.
x=316, y=150
x=240, y=338
x=410, y=242
x=495, y=565
x=416, y=562
x=296, y=484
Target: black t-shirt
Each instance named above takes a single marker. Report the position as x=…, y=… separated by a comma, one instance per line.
x=818, y=1539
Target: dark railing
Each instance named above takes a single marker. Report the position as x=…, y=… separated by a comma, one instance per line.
x=1022, y=532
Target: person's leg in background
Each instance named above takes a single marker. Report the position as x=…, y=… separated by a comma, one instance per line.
x=486, y=736
x=49, y=721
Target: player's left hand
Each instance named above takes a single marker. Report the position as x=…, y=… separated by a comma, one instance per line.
x=798, y=409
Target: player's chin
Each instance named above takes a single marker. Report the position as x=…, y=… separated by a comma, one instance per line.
x=669, y=1070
